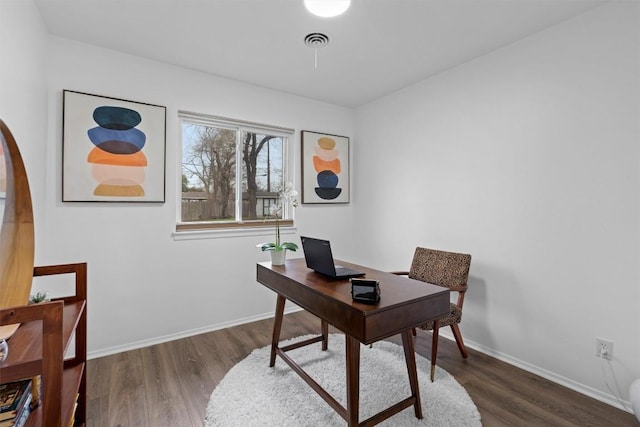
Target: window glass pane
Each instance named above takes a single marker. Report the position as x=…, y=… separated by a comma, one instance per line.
x=208, y=173
x=232, y=173
x=262, y=173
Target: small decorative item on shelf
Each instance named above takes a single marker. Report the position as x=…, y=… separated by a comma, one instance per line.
x=36, y=391
x=278, y=249
x=4, y=350
x=39, y=297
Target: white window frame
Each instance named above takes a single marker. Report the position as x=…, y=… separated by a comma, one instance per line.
x=206, y=229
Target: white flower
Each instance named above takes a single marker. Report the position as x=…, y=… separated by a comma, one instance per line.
x=275, y=209
x=289, y=194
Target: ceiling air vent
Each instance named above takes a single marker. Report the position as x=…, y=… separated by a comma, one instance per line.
x=316, y=40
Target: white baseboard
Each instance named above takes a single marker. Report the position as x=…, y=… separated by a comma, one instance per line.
x=182, y=334
x=609, y=399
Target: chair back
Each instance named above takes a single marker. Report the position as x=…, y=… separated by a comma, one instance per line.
x=448, y=269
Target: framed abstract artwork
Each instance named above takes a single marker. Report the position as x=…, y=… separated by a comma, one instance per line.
x=325, y=168
x=113, y=150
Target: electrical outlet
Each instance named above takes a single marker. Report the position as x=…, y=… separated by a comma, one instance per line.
x=604, y=347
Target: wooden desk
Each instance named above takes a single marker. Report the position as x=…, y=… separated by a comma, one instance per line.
x=404, y=304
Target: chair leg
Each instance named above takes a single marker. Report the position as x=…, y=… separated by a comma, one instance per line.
x=434, y=347
x=458, y=336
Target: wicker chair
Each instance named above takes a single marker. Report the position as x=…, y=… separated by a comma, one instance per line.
x=448, y=269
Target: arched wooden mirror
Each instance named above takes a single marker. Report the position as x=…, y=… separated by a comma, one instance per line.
x=17, y=233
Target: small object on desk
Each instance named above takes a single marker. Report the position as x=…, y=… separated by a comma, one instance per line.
x=365, y=291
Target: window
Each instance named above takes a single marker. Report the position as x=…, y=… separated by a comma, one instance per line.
x=232, y=172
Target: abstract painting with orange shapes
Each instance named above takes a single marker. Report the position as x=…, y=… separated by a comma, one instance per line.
x=113, y=149
x=325, y=168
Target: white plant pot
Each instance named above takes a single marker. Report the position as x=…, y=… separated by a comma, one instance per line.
x=278, y=257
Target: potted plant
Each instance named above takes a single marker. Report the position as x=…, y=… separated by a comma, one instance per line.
x=278, y=248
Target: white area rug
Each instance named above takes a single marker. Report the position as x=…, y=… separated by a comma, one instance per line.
x=251, y=394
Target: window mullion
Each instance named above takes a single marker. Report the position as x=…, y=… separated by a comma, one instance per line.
x=239, y=175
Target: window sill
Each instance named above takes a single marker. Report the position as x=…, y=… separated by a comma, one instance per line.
x=234, y=230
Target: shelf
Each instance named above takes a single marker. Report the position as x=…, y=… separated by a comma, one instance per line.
x=71, y=382
x=39, y=347
x=25, y=346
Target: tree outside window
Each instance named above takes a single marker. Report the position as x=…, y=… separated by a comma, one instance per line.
x=216, y=158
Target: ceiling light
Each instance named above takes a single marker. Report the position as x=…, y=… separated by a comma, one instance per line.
x=327, y=8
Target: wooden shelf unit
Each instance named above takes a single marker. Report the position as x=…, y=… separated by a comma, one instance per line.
x=39, y=347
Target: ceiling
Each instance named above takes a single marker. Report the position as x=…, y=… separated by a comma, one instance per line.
x=375, y=48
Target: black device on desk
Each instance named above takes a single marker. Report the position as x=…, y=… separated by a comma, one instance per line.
x=365, y=291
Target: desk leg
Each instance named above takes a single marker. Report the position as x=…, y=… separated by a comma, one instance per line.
x=410, y=358
x=277, y=326
x=353, y=379
x=325, y=335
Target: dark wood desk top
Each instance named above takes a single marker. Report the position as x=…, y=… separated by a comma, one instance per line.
x=404, y=303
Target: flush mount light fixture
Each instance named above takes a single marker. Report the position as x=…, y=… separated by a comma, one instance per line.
x=327, y=8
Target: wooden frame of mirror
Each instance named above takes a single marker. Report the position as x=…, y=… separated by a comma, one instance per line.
x=17, y=242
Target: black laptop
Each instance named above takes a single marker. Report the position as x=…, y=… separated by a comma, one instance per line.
x=318, y=255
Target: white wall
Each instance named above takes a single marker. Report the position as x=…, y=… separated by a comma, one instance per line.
x=144, y=286
x=527, y=158
x=22, y=86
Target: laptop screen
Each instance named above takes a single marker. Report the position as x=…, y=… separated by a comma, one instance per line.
x=317, y=253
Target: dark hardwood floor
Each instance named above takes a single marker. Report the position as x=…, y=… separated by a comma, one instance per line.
x=169, y=384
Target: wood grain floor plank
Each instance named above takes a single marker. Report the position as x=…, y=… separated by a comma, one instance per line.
x=168, y=385
x=126, y=391
x=165, y=398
